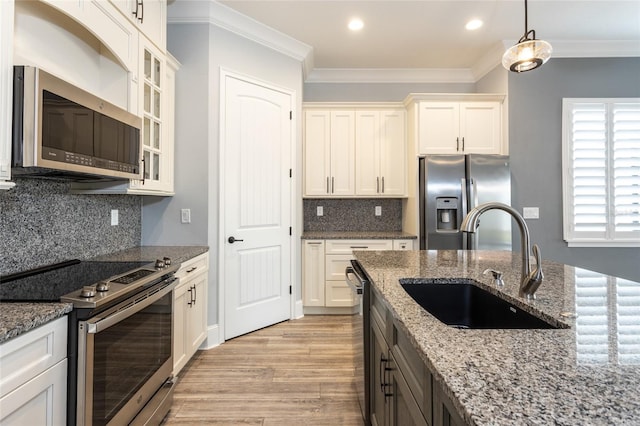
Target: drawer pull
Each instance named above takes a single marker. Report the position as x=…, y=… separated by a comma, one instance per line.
x=192, y=269
x=359, y=247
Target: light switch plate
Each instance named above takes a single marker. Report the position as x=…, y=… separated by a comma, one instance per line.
x=319, y=211
x=378, y=210
x=114, y=217
x=531, y=212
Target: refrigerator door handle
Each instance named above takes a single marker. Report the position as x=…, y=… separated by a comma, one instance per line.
x=464, y=210
x=473, y=194
x=473, y=203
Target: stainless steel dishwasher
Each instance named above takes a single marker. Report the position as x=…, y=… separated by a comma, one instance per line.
x=359, y=283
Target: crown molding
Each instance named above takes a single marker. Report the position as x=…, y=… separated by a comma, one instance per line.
x=595, y=48
x=488, y=62
x=214, y=13
x=390, y=75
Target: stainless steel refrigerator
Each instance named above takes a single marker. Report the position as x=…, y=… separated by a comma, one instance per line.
x=450, y=186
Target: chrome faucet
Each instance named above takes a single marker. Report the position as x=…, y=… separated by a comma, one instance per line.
x=530, y=280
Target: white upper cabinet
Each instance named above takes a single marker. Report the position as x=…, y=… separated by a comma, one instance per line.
x=380, y=153
x=6, y=84
x=329, y=149
x=355, y=151
x=460, y=127
x=149, y=16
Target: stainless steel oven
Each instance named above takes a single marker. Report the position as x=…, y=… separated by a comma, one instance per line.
x=120, y=335
x=125, y=357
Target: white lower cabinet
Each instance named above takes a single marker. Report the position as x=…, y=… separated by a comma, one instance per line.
x=33, y=378
x=323, y=266
x=190, y=310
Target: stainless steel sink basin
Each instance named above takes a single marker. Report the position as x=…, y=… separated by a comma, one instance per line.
x=465, y=305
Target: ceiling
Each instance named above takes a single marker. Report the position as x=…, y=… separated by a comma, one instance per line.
x=430, y=34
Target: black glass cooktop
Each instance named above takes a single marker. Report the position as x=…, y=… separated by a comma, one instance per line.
x=49, y=283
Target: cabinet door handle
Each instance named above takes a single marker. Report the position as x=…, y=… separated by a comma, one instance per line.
x=458, y=144
x=139, y=12
x=142, y=160
x=327, y=184
x=381, y=370
x=190, y=302
x=377, y=185
x=195, y=295
x=383, y=377
x=383, y=184
x=332, y=184
x=463, y=143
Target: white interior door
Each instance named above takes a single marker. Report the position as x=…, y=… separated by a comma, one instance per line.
x=256, y=203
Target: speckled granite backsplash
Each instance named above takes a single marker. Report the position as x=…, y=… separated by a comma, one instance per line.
x=42, y=223
x=353, y=215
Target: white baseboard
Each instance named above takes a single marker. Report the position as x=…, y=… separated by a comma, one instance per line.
x=298, y=310
x=213, y=338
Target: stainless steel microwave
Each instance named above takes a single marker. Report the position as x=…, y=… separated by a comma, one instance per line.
x=63, y=132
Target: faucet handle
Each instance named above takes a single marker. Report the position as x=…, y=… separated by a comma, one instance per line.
x=497, y=276
x=533, y=281
x=537, y=272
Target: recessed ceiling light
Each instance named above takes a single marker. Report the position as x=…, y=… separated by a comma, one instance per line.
x=474, y=24
x=356, y=24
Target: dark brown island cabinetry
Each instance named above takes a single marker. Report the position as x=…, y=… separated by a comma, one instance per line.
x=402, y=389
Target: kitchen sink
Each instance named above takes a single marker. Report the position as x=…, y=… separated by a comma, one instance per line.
x=465, y=305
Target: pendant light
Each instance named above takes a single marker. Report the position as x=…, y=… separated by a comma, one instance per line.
x=529, y=53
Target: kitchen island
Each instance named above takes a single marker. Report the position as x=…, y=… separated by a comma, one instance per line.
x=587, y=373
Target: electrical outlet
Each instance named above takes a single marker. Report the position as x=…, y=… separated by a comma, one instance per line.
x=319, y=211
x=114, y=217
x=185, y=215
x=531, y=212
x=378, y=210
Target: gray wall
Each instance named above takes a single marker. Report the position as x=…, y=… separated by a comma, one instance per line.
x=42, y=223
x=204, y=49
x=193, y=141
x=536, y=150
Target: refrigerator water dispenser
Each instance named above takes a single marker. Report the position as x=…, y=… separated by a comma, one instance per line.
x=447, y=214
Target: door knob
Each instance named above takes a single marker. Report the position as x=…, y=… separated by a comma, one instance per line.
x=233, y=240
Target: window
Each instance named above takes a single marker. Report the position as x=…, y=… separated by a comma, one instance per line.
x=601, y=172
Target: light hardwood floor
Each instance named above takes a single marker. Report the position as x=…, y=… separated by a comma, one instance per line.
x=298, y=372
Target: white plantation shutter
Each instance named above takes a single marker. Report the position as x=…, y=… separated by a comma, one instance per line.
x=601, y=168
x=626, y=167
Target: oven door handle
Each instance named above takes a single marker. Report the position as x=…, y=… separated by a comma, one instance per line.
x=357, y=285
x=127, y=308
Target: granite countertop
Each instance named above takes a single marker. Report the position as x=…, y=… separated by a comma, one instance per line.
x=18, y=318
x=150, y=253
x=357, y=235
x=588, y=373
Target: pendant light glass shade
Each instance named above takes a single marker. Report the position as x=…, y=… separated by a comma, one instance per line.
x=526, y=55
x=529, y=53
